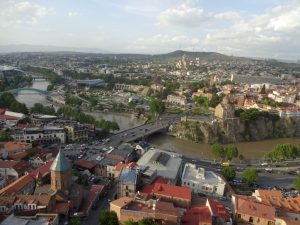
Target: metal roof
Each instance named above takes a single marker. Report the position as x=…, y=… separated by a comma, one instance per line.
x=60, y=163
x=128, y=176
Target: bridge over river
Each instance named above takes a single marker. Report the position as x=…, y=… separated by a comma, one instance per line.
x=38, y=91
x=143, y=131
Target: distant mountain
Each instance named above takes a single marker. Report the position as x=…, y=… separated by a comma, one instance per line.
x=46, y=48
x=193, y=55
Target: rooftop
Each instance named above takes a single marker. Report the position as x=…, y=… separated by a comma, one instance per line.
x=128, y=176
x=193, y=173
x=168, y=190
x=166, y=164
x=60, y=163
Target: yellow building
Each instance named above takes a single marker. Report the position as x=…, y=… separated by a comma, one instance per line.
x=76, y=133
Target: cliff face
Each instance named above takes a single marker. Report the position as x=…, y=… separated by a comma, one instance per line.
x=235, y=130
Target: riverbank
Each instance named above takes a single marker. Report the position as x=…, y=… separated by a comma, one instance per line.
x=251, y=150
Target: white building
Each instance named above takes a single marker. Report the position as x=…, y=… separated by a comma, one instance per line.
x=41, y=134
x=161, y=163
x=177, y=100
x=201, y=181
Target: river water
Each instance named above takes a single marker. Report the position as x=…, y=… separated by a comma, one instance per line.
x=251, y=150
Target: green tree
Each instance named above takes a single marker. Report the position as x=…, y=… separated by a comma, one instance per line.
x=228, y=173
x=215, y=100
x=50, y=87
x=108, y=218
x=5, y=136
x=157, y=106
x=231, y=152
x=250, y=175
x=75, y=221
x=241, y=157
x=218, y=150
x=131, y=222
x=297, y=183
x=202, y=101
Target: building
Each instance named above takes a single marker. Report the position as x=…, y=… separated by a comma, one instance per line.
x=127, y=182
x=249, y=210
x=22, y=186
x=91, y=83
x=202, y=181
x=219, y=212
x=61, y=173
x=12, y=168
x=285, y=207
x=198, y=215
x=13, y=147
x=41, y=134
x=91, y=199
x=161, y=163
x=38, y=219
x=179, y=196
x=138, y=207
x=176, y=100
x=226, y=109
x=8, y=73
x=76, y=133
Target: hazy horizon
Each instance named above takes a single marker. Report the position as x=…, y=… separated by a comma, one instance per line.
x=268, y=29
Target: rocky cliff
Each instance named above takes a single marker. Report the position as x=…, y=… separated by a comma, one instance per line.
x=235, y=130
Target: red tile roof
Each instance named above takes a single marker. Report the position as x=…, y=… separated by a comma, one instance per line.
x=17, y=185
x=218, y=209
x=85, y=164
x=195, y=215
x=249, y=206
x=168, y=190
x=122, y=165
x=18, y=155
x=19, y=166
x=43, y=169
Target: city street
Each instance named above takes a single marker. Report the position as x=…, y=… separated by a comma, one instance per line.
x=103, y=204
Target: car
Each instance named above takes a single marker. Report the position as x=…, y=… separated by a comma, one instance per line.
x=264, y=164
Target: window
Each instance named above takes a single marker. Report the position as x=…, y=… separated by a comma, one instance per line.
x=239, y=216
x=126, y=187
x=250, y=219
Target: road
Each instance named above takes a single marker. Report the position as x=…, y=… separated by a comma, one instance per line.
x=103, y=205
x=144, y=130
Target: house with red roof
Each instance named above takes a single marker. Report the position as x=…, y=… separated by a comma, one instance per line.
x=122, y=165
x=250, y=210
x=218, y=211
x=199, y=215
x=180, y=196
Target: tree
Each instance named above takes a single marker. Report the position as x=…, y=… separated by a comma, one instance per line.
x=5, y=136
x=250, y=175
x=231, y=152
x=215, y=100
x=228, y=173
x=241, y=157
x=131, y=222
x=75, y=221
x=108, y=218
x=202, y=101
x=297, y=183
x=218, y=150
x=156, y=106
x=50, y=87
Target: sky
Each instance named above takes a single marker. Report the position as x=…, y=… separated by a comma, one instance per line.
x=255, y=28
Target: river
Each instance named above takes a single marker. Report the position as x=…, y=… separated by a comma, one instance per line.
x=32, y=97
x=251, y=150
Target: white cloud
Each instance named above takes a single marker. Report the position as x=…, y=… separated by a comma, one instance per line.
x=14, y=12
x=274, y=33
x=73, y=14
x=189, y=15
x=163, y=43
